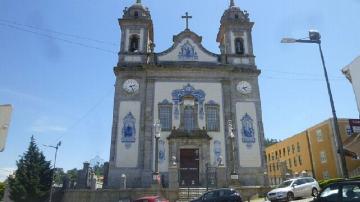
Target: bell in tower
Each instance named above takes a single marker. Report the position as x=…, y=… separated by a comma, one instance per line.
x=136, y=34
x=234, y=36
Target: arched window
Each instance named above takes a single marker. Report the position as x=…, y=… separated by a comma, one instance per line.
x=136, y=14
x=134, y=43
x=239, y=46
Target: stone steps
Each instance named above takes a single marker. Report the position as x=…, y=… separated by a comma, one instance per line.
x=186, y=194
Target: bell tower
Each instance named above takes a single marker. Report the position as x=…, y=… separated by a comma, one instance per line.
x=235, y=38
x=136, y=34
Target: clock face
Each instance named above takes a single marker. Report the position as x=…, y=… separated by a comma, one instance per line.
x=131, y=86
x=244, y=87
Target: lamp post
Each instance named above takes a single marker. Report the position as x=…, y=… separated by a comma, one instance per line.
x=52, y=179
x=314, y=37
x=233, y=174
x=157, y=130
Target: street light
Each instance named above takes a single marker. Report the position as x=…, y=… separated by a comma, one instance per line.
x=314, y=37
x=52, y=179
x=233, y=174
x=157, y=129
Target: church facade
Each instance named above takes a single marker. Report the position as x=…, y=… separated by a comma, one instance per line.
x=208, y=106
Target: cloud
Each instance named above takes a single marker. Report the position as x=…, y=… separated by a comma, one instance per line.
x=44, y=124
x=5, y=172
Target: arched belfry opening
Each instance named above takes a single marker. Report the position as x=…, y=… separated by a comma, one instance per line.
x=134, y=43
x=239, y=46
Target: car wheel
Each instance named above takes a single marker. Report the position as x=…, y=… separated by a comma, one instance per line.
x=314, y=192
x=290, y=196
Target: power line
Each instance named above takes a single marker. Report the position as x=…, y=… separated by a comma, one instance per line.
x=57, y=32
x=298, y=73
x=57, y=38
x=76, y=122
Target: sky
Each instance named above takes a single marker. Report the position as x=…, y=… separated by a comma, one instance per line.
x=57, y=59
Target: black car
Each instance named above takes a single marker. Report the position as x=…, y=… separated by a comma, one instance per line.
x=220, y=195
x=340, y=191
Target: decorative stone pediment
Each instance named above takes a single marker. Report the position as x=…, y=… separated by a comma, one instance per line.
x=187, y=48
x=194, y=134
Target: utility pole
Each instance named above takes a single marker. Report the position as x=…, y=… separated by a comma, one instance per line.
x=53, y=175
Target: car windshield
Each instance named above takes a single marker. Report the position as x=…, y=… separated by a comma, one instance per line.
x=284, y=184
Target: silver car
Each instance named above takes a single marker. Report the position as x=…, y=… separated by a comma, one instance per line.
x=294, y=188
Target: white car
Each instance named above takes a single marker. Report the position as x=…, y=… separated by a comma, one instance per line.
x=294, y=188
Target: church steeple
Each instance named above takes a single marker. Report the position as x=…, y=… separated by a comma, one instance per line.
x=234, y=36
x=136, y=34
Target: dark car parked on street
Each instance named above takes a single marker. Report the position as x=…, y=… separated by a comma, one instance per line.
x=220, y=195
x=340, y=191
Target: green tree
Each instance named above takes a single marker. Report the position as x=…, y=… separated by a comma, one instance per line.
x=33, y=177
x=59, y=176
x=269, y=142
x=2, y=190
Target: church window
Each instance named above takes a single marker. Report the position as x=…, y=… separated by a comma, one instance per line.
x=189, y=118
x=236, y=16
x=239, y=46
x=295, y=163
x=165, y=115
x=298, y=147
x=300, y=161
x=212, y=117
x=284, y=151
x=134, y=43
x=136, y=14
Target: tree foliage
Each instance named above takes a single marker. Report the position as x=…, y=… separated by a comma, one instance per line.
x=2, y=190
x=269, y=142
x=33, y=177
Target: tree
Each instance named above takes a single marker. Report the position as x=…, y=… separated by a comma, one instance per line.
x=59, y=176
x=2, y=190
x=33, y=177
x=269, y=142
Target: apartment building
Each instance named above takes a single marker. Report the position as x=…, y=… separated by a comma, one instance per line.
x=312, y=152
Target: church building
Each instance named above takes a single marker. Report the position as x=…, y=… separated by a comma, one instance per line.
x=206, y=104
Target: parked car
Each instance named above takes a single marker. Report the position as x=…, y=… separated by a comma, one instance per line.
x=220, y=195
x=345, y=191
x=294, y=188
x=151, y=199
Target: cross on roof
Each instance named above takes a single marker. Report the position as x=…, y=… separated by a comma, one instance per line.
x=187, y=17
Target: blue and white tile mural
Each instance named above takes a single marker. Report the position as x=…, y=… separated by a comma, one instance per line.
x=247, y=131
x=187, y=52
x=162, y=154
x=128, y=130
x=217, y=152
x=178, y=94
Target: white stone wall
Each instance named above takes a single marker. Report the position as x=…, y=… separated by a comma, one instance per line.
x=213, y=92
x=5, y=114
x=173, y=55
x=249, y=156
x=128, y=157
x=354, y=70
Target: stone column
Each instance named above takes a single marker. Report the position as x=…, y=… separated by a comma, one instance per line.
x=221, y=176
x=173, y=177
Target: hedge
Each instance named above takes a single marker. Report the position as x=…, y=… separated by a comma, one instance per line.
x=323, y=183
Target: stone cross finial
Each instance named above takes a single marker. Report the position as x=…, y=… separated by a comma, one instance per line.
x=187, y=16
x=232, y=3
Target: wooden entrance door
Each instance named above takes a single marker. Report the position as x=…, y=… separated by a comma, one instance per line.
x=189, y=167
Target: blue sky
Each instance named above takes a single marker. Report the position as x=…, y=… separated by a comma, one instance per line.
x=57, y=59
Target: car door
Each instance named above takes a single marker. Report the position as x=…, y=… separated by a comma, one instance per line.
x=297, y=189
x=350, y=192
x=330, y=194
